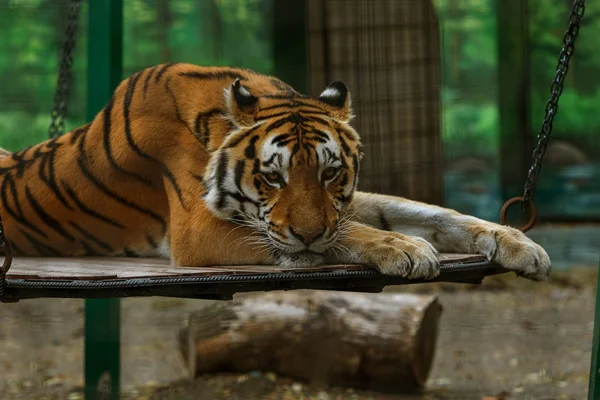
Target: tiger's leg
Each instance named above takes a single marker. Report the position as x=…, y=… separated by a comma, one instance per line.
x=450, y=231
x=196, y=236
x=391, y=253
x=199, y=238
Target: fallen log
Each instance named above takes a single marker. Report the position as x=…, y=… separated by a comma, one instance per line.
x=370, y=341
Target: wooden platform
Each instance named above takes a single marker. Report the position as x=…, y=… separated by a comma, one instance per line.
x=95, y=277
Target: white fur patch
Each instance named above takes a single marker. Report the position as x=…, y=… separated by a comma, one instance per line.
x=164, y=248
x=244, y=91
x=282, y=157
x=330, y=93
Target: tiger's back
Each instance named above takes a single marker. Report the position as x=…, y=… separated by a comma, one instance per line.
x=111, y=187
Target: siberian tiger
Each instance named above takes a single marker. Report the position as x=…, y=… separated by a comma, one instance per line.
x=211, y=165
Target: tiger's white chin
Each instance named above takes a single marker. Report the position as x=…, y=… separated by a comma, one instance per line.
x=301, y=259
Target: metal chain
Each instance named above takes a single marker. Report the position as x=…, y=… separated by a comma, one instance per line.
x=61, y=96
x=6, y=248
x=552, y=105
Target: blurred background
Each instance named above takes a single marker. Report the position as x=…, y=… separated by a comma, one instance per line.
x=449, y=97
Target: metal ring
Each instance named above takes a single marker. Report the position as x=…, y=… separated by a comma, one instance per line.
x=532, y=213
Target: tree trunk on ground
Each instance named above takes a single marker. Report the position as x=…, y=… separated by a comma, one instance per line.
x=371, y=341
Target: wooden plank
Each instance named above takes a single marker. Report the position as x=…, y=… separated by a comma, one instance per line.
x=104, y=268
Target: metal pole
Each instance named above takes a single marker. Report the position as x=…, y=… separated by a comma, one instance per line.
x=102, y=316
x=594, y=385
x=290, y=50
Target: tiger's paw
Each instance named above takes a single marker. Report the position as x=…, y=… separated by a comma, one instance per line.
x=400, y=255
x=513, y=250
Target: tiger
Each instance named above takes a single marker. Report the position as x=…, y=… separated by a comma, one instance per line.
x=210, y=166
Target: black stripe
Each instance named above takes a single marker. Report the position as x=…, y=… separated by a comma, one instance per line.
x=128, y=134
x=75, y=134
x=162, y=71
x=285, y=143
x=147, y=80
x=308, y=146
x=174, y=101
x=295, y=150
x=47, y=175
x=89, y=250
x=279, y=123
x=356, y=167
x=280, y=138
x=213, y=75
x=284, y=87
x=241, y=136
x=104, y=189
x=41, y=248
x=201, y=128
x=9, y=185
x=344, y=180
x=107, y=148
x=271, y=160
x=345, y=146
x=315, y=118
x=256, y=167
x=239, y=172
x=385, y=225
x=257, y=184
x=151, y=241
x=319, y=133
x=250, y=151
x=21, y=164
x=347, y=134
x=263, y=117
x=330, y=155
x=130, y=253
x=88, y=235
x=16, y=249
x=88, y=210
x=221, y=174
x=45, y=217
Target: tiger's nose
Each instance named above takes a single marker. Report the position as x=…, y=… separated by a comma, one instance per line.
x=305, y=236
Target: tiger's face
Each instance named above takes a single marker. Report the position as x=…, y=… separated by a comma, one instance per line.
x=288, y=170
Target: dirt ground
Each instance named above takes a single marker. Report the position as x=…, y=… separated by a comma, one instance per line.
x=507, y=339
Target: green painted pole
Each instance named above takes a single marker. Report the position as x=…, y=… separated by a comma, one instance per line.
x=516, y=139
x=102, y=316
x=290, y=50
x=594, y=388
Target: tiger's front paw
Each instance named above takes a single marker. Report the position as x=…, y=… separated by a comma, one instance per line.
x=405, y=256
x=513, y=250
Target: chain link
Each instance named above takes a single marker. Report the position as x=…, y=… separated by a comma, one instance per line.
x=61, y=96
x=556, y=89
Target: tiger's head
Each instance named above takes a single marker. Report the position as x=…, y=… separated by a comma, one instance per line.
x=288, y=169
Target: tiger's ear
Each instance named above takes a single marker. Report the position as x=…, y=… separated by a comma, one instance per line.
x=337, y=96
x=241, y=104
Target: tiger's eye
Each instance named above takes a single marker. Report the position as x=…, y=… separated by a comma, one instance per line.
x=272, y=177
x=329, y=173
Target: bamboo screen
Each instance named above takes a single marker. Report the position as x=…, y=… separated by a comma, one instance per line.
x=388, y=53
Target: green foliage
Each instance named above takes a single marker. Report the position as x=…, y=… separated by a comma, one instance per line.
x=204, y=32
x=238, y=33
x=20, y=129
x=470, y=129
x=469, y=35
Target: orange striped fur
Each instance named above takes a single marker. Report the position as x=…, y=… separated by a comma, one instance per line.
x=215, y=165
